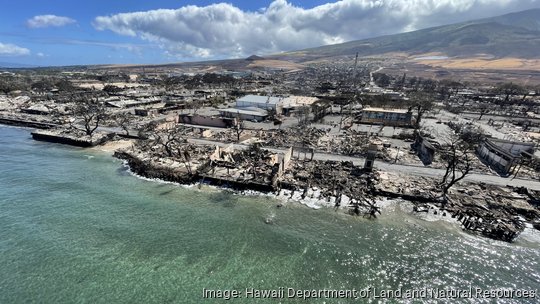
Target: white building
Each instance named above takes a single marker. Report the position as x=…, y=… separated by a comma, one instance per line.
x=249, y=113
x=262, y=102
x=299, y=101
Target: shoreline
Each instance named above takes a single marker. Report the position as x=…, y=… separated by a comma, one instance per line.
x=434, y=215
x=118, y=219
x=113, y=145
x=490, y=223
x=481, y=220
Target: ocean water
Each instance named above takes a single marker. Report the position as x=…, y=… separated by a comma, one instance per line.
x=77, y=227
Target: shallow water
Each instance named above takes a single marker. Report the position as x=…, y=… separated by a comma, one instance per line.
x=76, y=227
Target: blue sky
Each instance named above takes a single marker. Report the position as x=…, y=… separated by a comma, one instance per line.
x=44, y=33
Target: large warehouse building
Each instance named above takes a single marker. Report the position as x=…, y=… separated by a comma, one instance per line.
x=262, y=102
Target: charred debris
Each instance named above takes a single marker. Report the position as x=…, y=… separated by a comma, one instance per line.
x=323, y=131
x=495, y=212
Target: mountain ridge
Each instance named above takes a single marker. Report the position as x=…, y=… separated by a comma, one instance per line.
x=494, y=36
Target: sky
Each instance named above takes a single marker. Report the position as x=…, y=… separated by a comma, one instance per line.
x=68, y=32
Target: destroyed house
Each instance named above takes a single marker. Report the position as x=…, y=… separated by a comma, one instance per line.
x=253, y=168
x=37, y=109
x=387, y=117
x=425, y=149
x=295, y=102
x=503, y=155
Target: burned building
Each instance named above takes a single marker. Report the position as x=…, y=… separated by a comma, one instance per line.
x=425, y=149
x=249, y=113
x=252, y=168
x=370, y=159
x=503, y=155
x=206, y=120
x=387, y=117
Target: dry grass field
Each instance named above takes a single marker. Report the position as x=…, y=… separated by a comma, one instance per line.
x=484, y=63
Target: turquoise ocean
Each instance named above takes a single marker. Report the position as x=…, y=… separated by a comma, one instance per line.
x=77, y=227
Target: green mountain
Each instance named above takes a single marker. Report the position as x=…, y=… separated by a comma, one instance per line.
x=511, y=35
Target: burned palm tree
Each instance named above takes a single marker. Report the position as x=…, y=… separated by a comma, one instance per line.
x=185, y=156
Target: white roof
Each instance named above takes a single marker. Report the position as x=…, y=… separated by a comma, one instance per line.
x=300, y=100
x=245, y=111
x=260, y=99
x=369, y=109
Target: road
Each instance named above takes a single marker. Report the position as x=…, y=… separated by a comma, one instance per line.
x=398, y=168
x=388, y=167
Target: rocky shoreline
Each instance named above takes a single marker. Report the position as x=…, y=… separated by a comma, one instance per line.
x=499, y=213
x=148, y=170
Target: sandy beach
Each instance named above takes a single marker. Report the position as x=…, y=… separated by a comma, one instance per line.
x=112, y=146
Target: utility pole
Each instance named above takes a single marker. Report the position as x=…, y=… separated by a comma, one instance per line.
x=355, y=79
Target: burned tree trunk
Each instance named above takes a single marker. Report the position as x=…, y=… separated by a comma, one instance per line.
x=458, y=165
x=91, y=112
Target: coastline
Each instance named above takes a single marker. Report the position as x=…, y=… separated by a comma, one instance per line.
x=113, y=145
x=498, y=222
x=135, y=232
x=464, y=207
x=285, y=198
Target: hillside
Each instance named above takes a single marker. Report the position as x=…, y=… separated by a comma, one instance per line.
x=515, y=35
x=8, y=65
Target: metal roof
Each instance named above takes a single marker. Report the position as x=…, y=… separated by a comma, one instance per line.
x=261, y=113
x=369, y=109
x=260, y=99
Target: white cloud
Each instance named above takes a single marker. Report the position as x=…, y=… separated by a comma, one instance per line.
x=7, y=49
x=225, y=30
x=48, y=21
x=134, y=48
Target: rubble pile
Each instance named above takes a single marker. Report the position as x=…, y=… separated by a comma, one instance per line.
x=342, y=182
x=352, y=143
x=495, y=212
x=228, y=135
x=304, y=137
x=181, y=168
x=253, y=165
x=188, y=152
x=498, y=213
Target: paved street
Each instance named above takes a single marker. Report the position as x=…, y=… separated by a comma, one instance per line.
x=403, y=169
